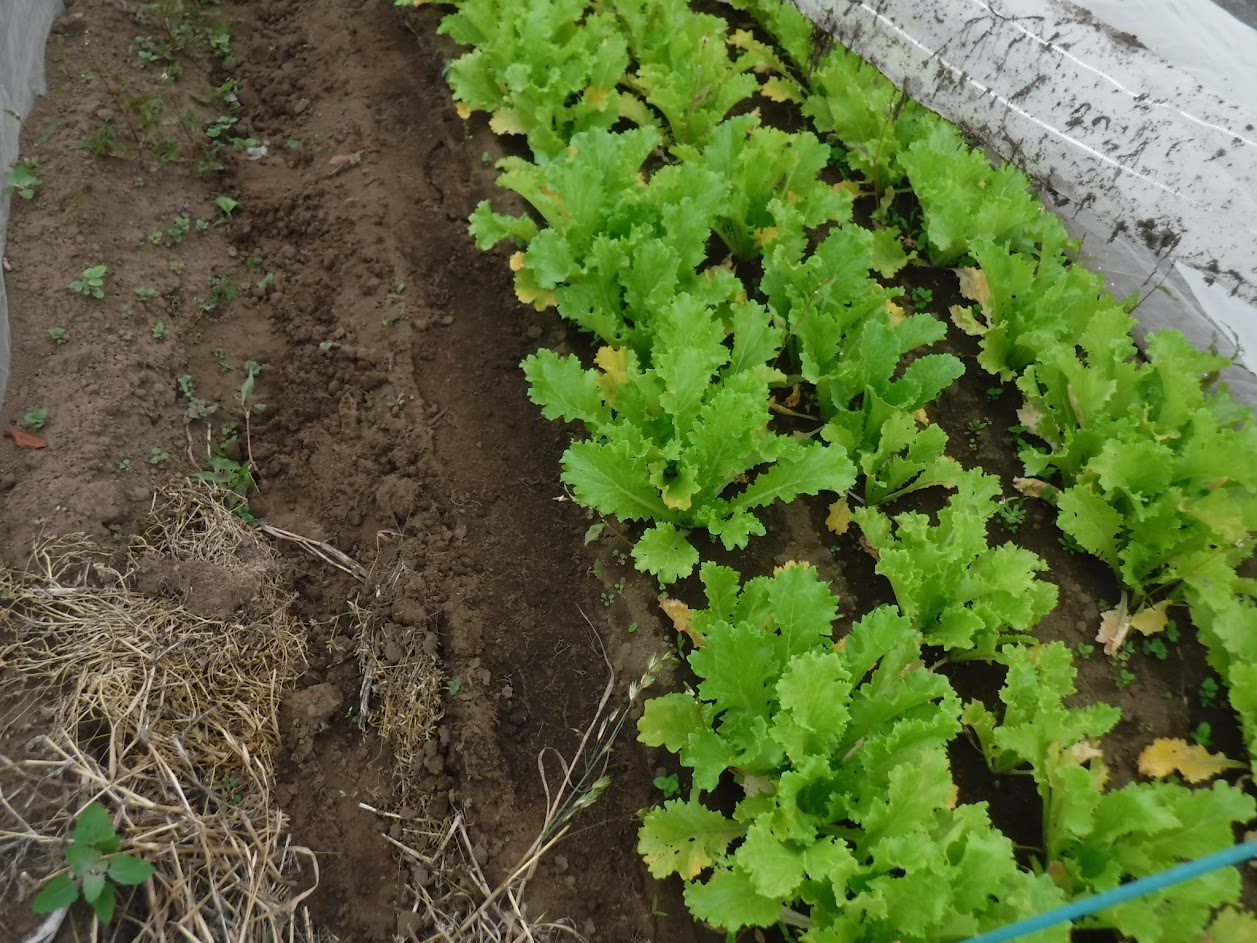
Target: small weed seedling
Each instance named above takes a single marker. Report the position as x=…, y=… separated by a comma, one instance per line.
x=976, y=427
x=236, y=479
x=145, y=294
x=124, y=465
x=197, y=408
x=95, y=869
x=159, y=331
x=222, y=291
x=158, y=457
x=922, y=298
x=220, y=126
x=1203, y=734
x=670, y=786
x=36, y=419
x=453, y=686
x=226, y=205
x=220, y=358
x=58, y=335
x=1011, y=513
x=91, y=284
x=1155, y=647
x=995, y=392
x=21, y=179
x=1209, y=691
x=1085, y=649
x=104, y=143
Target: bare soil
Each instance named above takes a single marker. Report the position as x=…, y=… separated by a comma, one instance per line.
x=397, y=428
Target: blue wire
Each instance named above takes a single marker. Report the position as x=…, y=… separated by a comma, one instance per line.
x=1119, y=895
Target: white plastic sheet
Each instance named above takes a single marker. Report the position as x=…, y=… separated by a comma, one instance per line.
x=24, y=26
x=1139, y=115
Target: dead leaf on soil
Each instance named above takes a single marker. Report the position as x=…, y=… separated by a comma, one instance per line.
x=839, y=519
x=795, y=396
x=1166, y=756
x=869, y=549
x=682, y=617
x=25, y=440
x=1114, y=625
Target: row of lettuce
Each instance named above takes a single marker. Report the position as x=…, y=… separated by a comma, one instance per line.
x=646, y=155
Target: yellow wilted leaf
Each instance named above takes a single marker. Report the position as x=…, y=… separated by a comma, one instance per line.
x=974, y=286
x=766, y=235
x=838, y=520
x=1030, y=416
x=613, y=361
x=526, y=288
x=896, y=313
x=795, y=396
x=790, y=565
x=847, y=186
x=954, y=797
x=1034, y=488
x=634, y=109
x=682, y=617
x=505, y=121
x=777, y=89
x=964, y=319
x=1151, y=620
x=1165, y=756
x=597, y=97
x=463, y=109
x=922, y=417
x=1085, y=751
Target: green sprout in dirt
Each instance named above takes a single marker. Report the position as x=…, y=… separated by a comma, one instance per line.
x=670, y=786
x=159, y=331
x=922, y=298
x=222, y=291
x=220, y=126
x=94, y=868
x=21, y=179
x=36, y=419
x=58, y=335
x=1011, y=513
x=91, y=284
x=453, y=686
x=104, y=143
x=226, y=205
x=158, y=457
x=197, y=409
x=1209, y=691
x=145, y=294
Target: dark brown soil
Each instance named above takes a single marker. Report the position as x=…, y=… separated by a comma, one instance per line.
x=397, y=428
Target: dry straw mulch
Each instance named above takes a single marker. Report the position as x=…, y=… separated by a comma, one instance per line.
x=165, y=716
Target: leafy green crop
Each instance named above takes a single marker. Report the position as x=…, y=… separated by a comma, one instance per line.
x=548, y=70
x=1161, y=477
x=1035, y=306
x=963, y=594
x=848, y=810
x=965, y=198
x=685, y=70
x=673, y=438
x=617, y=246
x=776, y=191
x=1095, y=839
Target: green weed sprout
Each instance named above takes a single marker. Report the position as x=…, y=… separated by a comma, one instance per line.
x=91, y=284
x=95, y=869
x=21, y=179
x=36, y=419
